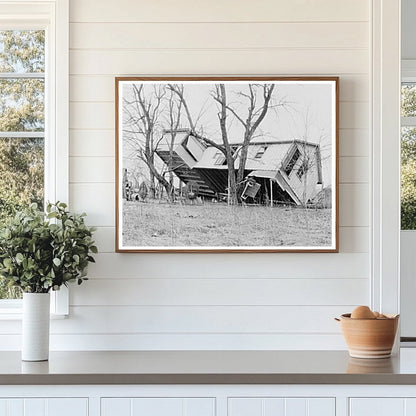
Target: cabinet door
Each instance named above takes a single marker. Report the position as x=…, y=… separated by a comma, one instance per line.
x=269, y=406
x=160, y=406
x=44, y=407
x=382, y=407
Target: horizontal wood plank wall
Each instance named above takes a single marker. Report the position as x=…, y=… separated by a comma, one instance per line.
x=181, y=301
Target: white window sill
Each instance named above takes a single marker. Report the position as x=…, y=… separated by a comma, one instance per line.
x=12, y=315
x=11, y=309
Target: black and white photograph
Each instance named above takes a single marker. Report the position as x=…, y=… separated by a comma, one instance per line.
x=227, y=164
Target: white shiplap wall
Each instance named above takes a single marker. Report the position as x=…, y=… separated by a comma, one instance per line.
x=218, y=301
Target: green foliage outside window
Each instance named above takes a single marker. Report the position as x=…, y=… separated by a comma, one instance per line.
x=408, y=160
x=21, y=110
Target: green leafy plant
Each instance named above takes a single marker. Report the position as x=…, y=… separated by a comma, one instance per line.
x=43, y=251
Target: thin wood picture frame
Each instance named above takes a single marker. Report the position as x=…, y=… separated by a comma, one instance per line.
x=227, y=164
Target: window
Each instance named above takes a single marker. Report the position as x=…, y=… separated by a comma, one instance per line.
x=302, y=169
x=292, y=162
x=408, y=156
x=219, y=158
x=33, y=112
x=260, y=152
x=22, y=124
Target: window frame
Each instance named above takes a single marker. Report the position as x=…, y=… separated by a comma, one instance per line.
x=384, y=151
x=408, y=75
x=53, y=17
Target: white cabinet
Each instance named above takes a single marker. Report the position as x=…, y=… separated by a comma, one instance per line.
x=44, y=407
x=208, y=400
x=146, y=406
x=382, y=406
x=281, y=406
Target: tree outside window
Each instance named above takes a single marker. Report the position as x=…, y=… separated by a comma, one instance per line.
x=22, y=124
x=408, y=157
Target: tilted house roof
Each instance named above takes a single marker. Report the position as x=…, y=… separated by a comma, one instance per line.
x=271, y=158
x=262, y=156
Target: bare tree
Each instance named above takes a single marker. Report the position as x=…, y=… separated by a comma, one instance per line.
x=225, y=147
x=256, y=114
x=220, y=96
x=312, y=156
x=174, y=121
x=143, y=114
x=178, y=89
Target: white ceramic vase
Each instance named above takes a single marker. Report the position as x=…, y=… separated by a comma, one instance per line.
x=35, y=326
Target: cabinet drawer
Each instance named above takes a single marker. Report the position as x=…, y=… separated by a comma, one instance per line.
x=160, y=406
x=280, y=406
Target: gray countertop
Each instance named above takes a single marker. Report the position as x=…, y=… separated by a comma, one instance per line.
x=207, y=367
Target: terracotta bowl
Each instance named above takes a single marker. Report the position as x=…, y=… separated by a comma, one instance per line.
x=369, y=338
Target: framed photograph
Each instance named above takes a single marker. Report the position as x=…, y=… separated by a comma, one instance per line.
x=227, y=164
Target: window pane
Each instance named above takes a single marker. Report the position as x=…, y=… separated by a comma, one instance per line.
x=408, y=178
x=21, y=173
x=22, y=51
x=22, y=104
x=408, y=100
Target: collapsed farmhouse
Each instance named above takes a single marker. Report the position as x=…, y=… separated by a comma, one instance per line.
x=285, y=171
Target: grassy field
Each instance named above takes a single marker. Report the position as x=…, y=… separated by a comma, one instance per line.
x=216, y=224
